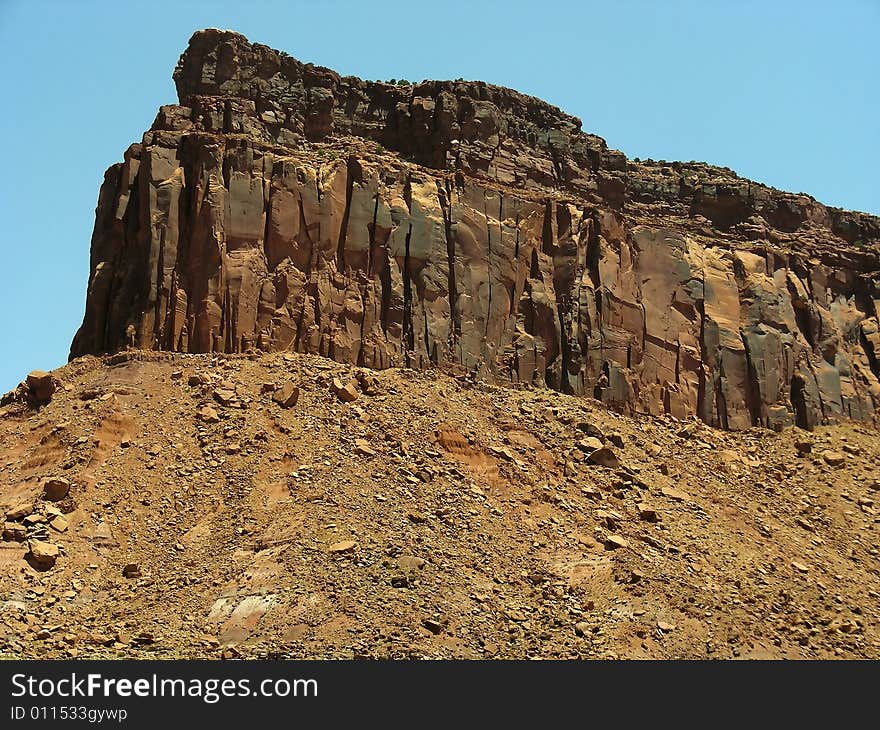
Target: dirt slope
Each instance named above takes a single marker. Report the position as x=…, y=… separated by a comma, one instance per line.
x=430, y=516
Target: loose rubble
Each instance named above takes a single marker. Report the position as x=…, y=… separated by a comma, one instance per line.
x=436, y=515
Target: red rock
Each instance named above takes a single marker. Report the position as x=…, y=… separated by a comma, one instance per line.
x=343, y=547
x=287, y=395
x=208, y=414
x=615, y=542
x=697, y=325
x=362, y=447
x=44, y=554
x=346, y=392
x=55, y=489
x=604, y=457
x=19, y=511
x=14, y=532
x=41, y=385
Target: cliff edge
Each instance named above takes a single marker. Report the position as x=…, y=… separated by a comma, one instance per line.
x=281, y=206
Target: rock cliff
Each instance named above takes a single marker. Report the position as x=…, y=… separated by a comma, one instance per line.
x=281, y=206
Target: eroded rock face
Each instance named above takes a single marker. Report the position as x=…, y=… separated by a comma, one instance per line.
x=283, y=207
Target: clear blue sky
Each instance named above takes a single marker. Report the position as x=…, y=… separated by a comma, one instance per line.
x=785, y=92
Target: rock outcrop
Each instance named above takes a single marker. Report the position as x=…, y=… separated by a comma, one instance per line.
x=281, y=206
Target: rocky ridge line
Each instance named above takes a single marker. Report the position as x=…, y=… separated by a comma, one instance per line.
x=281, y=206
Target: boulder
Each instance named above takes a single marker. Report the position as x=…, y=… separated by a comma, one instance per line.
x=346, y=392
x=55, y=489
x=207, y=414
x=14, y=532
x=287, y=395
x=43, y=554
x=19, y=511
x=41, y=385
x=604, y=457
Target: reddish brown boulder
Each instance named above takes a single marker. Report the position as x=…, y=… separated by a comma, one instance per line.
x=287, y=395
x=43, y=554
x=56, y=489
x=41, y=385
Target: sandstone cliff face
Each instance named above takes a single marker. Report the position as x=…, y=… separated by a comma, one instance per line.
x=280, y=206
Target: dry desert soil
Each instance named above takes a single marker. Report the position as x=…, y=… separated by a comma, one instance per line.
x=170, y=506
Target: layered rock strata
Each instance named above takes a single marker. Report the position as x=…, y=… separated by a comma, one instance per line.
x=281, y=206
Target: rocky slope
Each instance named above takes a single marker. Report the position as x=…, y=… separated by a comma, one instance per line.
x=280, y=206
x=183, y=505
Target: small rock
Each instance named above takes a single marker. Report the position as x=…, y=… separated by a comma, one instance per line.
x=582, y=628
x=501, y=453
x=176, y=374
x=369, y=383
x=673, y=494
x=199, y=379
x=410, y=562
x=615, y=542
x=647, y=513
x=44, y=554
x=604, y=457
x=833, y=458
x=59, y=524
x=362, y=447
x=41, y=385
x=19, y=511
x=803, y=446
x=208, y=414
x=806, y=524
x=610, y=519
x=224, y=396
x=131, y=570
x=343, y=547
x=665, y=626
x=287, y=395
x=13, y=532
x=589, y=444
x=687, y=432
x=799, y=566
x=435, y=627
x=346, y=392
x=55, y=489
